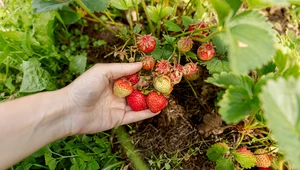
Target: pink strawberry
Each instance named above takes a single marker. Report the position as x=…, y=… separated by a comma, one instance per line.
x=176, y=74
x=148, y=62
x=198, y=25
x=156, y=102
x=185, y=44
x=137, y=100
x=163, y=67
x=133, y=78
x=206, y=51
x=162, y=84
x=191, y=71
x=122, y=87
x=146, y=43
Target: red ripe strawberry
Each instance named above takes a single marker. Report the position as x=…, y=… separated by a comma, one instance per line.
x=162, y=84
x=133, y=78
x=263, y=160
x=206, y=51
x=156, y=102
x=185, y=44
x=265, y=168
x=146, y=43
x=137, y=100
x=148, y=62
x=191, y=71
x=122, y=87
x=163, y=67
x=196, y=26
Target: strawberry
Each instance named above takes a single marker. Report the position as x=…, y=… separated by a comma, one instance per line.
x=156, y=102
x=191, y=71
x=245, y=157
x=263, y=160
x=206, y=51
x=137, y=100
x=199, y=25
x=133, y=78
x=122, y=87
x=162, y=84
x=185, y=44
x=146, y=43
x=260, y=168
x=163, y=67
x=148, y=62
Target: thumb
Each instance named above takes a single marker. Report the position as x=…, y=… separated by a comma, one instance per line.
x=117, y=70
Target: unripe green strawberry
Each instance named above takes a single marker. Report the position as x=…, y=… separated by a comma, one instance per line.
x=156, y=102
x=163, y=67
x=191, y=71
x=162, y=84
x=137, y=100
x=185, y=44
x=245, y=157
x=206, y=51
x=146, y=43
x=263, y=160
x=133, y=78
x=122, y=87
x=148, y=62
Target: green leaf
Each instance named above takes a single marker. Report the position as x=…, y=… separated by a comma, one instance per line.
x=137, y=28
x=281, y=105
x=78, y=64
x=236, y=104
x=252, y=41
x=225, y=164
x=216, y=66
x=25, y=44
x=35, y=78
x=159, y=12
x=191, y=55
x=267, y=3
x=68, y=15
x=122, y=4
x=171, y=26
x=223, y=10
x=169, y=40
x=18, y=36
x=228, y=79
x=96, y=5
x=187, y=21
x=9, y=84
x=93, y=165
x=48, y=5
x=216, y=151
x=221, y=43
x=287, y=63
x=246, y=160
x=234, y=4
x=51, y=162
x=4, y=49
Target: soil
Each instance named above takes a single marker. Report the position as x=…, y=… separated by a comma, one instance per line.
x=190, y=124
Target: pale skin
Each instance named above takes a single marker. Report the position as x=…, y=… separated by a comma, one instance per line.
x=86, y=106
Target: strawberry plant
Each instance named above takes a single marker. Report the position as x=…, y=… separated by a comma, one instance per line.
x=225, y=43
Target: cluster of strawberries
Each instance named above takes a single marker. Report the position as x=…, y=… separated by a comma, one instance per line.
x=164, y=74
x=261, y=157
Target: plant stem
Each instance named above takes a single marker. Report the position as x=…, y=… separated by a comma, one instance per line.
x=191, y=87
x=240, y=141
x=209, y=37
x=148, y=17
x=112, y=20
x=137, y=11
x=81, y=4
x=158, y=29
x=195, y=31
x=184, y=8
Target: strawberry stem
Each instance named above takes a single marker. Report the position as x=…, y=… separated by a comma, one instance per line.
x=196, y=31
x=210, y=36
x=191, y=87
x=82, y=5
x=148, y=17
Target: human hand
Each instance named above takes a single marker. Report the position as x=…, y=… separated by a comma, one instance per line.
x=92, y=106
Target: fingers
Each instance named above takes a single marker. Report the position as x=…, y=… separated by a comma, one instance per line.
x=117, y=70
x=133, y=116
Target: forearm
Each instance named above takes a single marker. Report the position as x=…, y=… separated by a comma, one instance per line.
x=29, y=123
